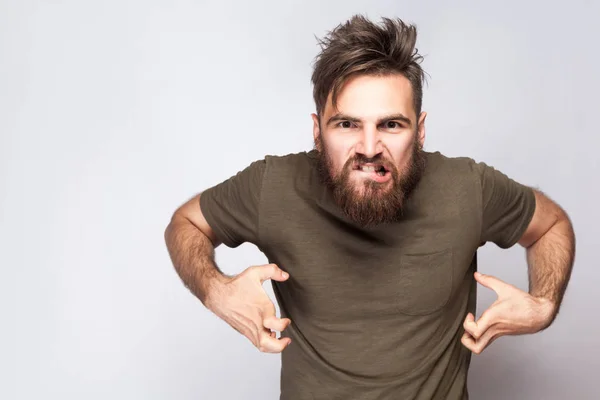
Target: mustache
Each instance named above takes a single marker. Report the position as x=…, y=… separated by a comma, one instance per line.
x=359, y=159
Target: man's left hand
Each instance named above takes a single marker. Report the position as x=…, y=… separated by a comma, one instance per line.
x=515, y=312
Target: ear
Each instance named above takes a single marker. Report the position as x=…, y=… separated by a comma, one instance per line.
x=316, y=130
x=421, y=128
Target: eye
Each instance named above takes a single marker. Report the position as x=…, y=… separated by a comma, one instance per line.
x=392, y=125
x=345, y=124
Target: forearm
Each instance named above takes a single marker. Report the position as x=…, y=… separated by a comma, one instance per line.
x=550, y=262
x=192, y=255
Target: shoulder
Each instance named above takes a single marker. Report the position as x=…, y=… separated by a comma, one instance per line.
x=290, y=165
x=270, y=163
x=302, y=158
x=457, y=167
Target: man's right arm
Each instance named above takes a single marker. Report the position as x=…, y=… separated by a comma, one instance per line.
x=191, y=244
x=238, y=300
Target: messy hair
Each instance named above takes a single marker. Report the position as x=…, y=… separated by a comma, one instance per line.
x=362, y=47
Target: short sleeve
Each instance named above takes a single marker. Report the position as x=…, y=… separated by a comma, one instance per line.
x=231, y=207
x=507, y=207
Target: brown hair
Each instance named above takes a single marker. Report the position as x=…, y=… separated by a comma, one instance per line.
x=360, y=46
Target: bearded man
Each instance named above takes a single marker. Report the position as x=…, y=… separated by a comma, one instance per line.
x=371, y=240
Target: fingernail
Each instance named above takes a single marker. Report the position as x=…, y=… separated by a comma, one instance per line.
x=285, y=274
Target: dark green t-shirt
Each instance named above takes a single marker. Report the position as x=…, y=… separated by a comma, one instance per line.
x=376, y=313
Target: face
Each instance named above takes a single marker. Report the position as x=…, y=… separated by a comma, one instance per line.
x=370, y=147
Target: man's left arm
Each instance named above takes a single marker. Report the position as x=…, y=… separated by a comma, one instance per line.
x=550, y=245
x=513, y=213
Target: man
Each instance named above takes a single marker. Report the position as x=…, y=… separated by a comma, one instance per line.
x=371, y=240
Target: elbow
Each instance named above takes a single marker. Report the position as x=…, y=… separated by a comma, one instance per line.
x=170, y=225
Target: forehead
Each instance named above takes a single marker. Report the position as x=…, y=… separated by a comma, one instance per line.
x=369, y=96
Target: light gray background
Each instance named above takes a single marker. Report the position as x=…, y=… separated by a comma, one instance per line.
x=113, y=113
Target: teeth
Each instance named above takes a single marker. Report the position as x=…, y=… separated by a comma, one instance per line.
x=367, y=168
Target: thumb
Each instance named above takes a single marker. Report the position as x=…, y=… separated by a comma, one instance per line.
x=272, y=271
x=491, y=282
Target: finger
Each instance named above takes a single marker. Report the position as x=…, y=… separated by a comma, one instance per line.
x=490, y=335
x=478, y=328
x=488, y=319
x=493, y=283
x=271, y=271
x=269, y=344
x=277, y=324
x=470, y=325
x=266, y=311
x=468, y=341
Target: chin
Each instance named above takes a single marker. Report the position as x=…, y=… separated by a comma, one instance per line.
x=371, y=192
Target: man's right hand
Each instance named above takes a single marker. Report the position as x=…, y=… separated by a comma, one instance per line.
x=242, y=302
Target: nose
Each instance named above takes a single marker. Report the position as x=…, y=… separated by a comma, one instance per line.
x=370, y=144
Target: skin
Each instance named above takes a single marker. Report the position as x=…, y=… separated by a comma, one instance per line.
x=549, y=242
x=239, y=300
x=359, y=125
x=374, y=115
x=362, y=124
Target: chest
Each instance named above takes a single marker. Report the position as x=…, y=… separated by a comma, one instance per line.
x=338, y=271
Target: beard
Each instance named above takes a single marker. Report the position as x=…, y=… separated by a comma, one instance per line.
x=367, y=202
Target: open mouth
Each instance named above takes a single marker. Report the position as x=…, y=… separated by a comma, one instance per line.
x=378, y=169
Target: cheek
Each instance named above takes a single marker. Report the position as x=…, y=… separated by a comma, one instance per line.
x=338, y=162
x=401, y=152
x=338, y=153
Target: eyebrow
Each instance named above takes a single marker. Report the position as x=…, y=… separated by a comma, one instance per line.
x=391, y=117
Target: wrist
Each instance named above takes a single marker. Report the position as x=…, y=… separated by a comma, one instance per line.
x=213, y=285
